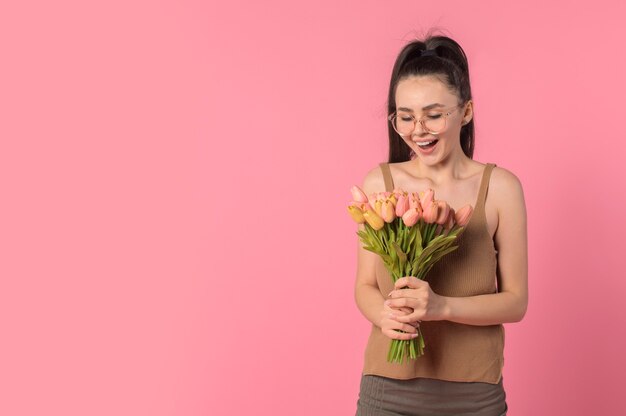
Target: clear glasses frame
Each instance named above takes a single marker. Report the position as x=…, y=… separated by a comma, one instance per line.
x=445, y=115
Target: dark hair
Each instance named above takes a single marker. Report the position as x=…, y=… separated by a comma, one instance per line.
x=450, y=66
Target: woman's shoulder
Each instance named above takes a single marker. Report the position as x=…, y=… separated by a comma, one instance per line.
x=504, y=179
x=505, y=187
x=374, y=181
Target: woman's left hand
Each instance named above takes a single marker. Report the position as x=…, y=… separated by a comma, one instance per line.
x=426, y=304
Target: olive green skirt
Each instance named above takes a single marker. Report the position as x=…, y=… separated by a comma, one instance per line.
x=429, y=397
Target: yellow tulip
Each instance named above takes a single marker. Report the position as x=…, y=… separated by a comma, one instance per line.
x=356, y=213
x=373, y=219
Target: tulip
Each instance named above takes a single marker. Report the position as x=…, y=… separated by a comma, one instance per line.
x=450, y=221
x=444, y=211
x=411, y=216
x=463, y=215
x=388, y=211
x=414, y=200
x=398, y=191
x=357, y=194
x=356, y=213
x=402, y=205
x=373, y=219
x=430, y=213
x=378, y=204
x=426, y=198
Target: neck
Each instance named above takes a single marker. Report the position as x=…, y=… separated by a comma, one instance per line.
x=453, y=166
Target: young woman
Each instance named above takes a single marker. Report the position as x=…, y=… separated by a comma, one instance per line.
x=462, y=303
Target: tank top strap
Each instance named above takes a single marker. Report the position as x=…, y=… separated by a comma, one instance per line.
x=389, y=186
x=484, y=185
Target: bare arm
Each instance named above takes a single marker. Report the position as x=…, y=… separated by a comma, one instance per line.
x=511, y=302
x=367, y=295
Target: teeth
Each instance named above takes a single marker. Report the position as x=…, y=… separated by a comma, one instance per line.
x=424, y=143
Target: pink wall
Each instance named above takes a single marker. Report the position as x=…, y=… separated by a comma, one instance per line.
x=147, y=147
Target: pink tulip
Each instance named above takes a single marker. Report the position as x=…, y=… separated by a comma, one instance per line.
x=402, y=205
x=411, y=216
x=430, y=213
x=444, y=211
x=414, y=200
x=388, y=211
x=463, y=215
x=373, y=219
x=426, y=198
x=357, y=194
x=356, y=213
x=450, y=221
x=397, y=192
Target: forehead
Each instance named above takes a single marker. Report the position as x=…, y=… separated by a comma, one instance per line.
x=418, y=92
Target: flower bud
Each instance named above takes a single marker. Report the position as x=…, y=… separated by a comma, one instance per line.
x=388, y=211
x=378, y=204
x=430, y=213
x=463, y=215
x=414, y=200
x=356, y=213
x=426, y=198
x=444, y=211
x=373, y=219
x=411, y=216
x=357, y=194
x=402, y=205
x=450, y=221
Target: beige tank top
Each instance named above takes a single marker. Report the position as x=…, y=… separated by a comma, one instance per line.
x=453, y=351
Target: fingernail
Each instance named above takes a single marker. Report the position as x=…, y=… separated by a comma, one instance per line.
x=414, y=335
x=389, y=293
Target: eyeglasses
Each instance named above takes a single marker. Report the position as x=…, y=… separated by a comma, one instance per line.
x=433, y=123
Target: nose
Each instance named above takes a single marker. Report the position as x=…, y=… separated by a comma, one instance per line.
x=419, y=130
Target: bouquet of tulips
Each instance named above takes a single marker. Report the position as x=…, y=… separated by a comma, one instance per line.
x=410, y=231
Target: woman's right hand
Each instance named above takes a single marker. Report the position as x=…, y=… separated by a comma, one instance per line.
x=388, y=325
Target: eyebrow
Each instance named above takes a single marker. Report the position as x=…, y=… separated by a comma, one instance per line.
x=428, y=107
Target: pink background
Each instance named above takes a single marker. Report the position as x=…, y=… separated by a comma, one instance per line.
x=174, y=176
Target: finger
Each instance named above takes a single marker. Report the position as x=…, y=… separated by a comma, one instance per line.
x=392, y=333
x=397, y=310
x=402, y=303
x=404, y=293
x=411, y=317
x=410, y=281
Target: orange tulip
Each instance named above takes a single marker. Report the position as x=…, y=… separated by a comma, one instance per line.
x=388, y=211
x=411, y=216
x=357, y=194
x=378, y=204
x=463, y=215
x=444, y=211
x=414, y=200
x=426, y=198
x=450, y=221
x=430, y=213
x=402, y=205
x=373, y=219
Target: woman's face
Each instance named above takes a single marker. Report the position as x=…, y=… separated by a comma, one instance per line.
x=419, y=97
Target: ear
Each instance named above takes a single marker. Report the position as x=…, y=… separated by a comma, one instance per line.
x=469, y=112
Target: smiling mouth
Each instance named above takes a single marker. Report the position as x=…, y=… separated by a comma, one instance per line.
x=427, y=144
